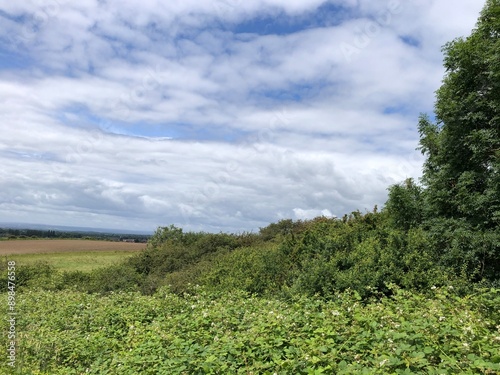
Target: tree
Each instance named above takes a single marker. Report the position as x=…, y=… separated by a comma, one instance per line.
x=461, y=195
x=405, y=205
x=461, y=172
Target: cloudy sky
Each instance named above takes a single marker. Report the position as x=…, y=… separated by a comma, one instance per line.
x=220, y=115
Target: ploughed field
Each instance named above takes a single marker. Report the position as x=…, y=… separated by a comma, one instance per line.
x=16, y=247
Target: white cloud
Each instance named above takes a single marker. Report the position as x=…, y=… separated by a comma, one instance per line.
x=232, y=131
x=301, y=214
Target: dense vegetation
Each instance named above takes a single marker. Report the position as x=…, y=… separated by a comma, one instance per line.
x=412, y=288
x=361, y=252
x=236, y=333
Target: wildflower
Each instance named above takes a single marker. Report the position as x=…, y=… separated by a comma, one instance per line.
x=433, y=287
x=441, y=318
x=335, y=313
x=383, y=362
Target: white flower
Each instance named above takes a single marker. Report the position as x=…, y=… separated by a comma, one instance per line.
x=335, y=313
x=433, y=287
x=383, y=362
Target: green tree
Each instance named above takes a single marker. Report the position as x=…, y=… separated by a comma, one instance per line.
x=461, y=173
x=405, y=204
x=163, y=235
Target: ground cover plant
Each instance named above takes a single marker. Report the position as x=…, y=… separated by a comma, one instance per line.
x=236, y=333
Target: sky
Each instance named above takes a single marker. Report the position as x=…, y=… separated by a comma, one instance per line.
x=220, y=115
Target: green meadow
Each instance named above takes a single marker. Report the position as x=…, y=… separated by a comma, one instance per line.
x=73, y=261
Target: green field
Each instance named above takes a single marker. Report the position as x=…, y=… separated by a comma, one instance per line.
x=73, y=261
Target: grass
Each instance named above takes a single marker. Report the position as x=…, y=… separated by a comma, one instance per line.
x=63, y=245
x=68, y=255
x=73, y=261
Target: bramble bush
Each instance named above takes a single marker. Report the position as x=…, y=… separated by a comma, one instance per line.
x=238, y=333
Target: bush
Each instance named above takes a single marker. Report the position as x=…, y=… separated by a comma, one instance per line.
x=120, y=277
x=257, y=270
x=38, y=275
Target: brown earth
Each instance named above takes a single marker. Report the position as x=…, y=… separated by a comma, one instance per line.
x=61, y=246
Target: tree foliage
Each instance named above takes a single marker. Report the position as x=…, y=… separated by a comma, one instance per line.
x=459, y=204
x=461, y=173
x=405, y=204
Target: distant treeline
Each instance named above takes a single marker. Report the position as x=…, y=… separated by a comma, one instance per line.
x=12, y=234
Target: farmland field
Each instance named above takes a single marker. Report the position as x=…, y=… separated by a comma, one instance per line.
x=57, y=246
x=68, y=255
x=84, y=261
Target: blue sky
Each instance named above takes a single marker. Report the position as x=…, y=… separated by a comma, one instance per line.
x=213, y=115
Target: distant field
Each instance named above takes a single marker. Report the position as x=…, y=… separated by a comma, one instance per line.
x=68, y=255
x=73, y=261
x=62, y=246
